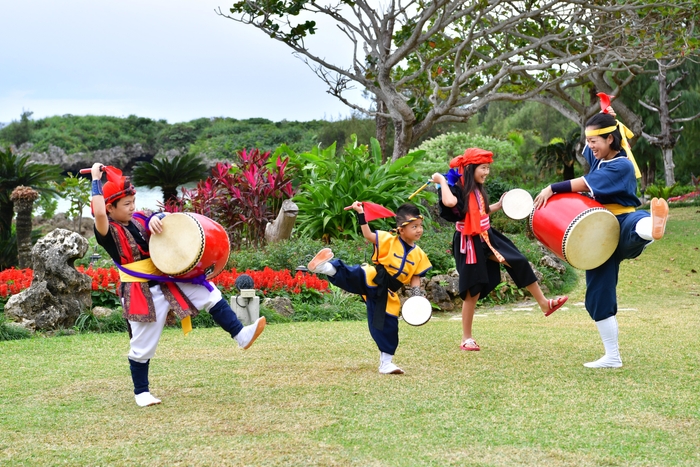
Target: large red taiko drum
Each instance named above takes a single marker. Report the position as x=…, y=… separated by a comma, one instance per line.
x=189, y=246
x=577, y=229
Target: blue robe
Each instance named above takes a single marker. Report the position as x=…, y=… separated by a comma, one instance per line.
x=613, y=182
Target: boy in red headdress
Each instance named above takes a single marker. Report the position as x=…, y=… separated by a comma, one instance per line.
x=478, y=249
x=146, y=294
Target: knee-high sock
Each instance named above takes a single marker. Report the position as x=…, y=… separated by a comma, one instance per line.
x=225, y=317
x=139, y=375
x=608, y=333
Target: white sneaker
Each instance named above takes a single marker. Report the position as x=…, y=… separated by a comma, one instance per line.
x=248, y=334
x=605, y=362
x=388, y=368
x=145, y=399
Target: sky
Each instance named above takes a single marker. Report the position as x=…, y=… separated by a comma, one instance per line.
x=175, y=60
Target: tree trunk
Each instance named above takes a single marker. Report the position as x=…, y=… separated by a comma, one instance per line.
x=24, y=232
x=402, y=139
x=281, y=227
x=669, y=166
x=382, y=124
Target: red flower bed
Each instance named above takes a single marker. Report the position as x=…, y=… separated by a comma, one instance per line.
x=269, y=281
x=13, y=281
x=103, y=279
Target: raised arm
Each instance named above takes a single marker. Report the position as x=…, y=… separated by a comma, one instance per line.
x=98, y=201
x=446, y=196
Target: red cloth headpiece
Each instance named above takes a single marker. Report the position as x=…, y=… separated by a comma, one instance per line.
x=472, y=156
x=117, y=186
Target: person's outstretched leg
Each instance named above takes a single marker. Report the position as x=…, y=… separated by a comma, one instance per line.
x=608, y=333
x=320, y=263
x=225, y=317
x=548, y=306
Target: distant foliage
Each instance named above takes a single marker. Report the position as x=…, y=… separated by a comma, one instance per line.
x=507, y=164
x=328, y=182
x=223, y=138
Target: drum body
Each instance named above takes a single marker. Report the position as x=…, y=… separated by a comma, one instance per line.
x=416, y=311
x=189, y=246
x=517, y=204
x=577, y=229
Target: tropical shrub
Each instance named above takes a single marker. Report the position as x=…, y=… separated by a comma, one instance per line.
x=441, y=149
x=243, y=198
x=328, y=182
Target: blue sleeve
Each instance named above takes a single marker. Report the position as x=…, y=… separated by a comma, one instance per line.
x=613, y=182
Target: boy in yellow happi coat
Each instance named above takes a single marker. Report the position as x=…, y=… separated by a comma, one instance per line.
x=397, y=261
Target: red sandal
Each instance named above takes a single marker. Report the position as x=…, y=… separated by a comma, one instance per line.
x=555, y=304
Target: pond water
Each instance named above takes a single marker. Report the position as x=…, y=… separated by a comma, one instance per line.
x=146, y=198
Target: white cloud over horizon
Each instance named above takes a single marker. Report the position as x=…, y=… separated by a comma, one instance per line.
x=174, y=60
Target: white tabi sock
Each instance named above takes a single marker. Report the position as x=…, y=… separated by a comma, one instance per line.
x=327, y=269
x=643, y=228
x=608, y=333
x=386, y=367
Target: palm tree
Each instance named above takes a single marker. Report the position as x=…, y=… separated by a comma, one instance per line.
x=559, y=155
x=16, y=171
x=168, y=174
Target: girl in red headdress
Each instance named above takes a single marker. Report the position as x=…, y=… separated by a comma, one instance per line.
x=147, y=295
x=478, y=249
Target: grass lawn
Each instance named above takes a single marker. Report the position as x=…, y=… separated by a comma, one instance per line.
x=309, y=394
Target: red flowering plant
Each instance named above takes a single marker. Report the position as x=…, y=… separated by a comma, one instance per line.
x=242, y=197
x=105, y=283
x=13, y=281
x=272, y=283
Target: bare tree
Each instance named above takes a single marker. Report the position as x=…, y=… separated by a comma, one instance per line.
x=669, y=134
x=444, y=60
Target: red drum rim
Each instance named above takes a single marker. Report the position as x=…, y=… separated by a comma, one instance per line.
x=416, y=311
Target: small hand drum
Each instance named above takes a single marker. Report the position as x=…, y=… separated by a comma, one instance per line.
x=416, y=311
x=517, y=204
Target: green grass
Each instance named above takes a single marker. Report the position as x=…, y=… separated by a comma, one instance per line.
x=308, y=394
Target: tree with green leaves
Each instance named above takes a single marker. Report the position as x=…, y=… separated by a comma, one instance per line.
x=669, y=133
x=17, y=170
x=19, y=132
x=169, y=174
x=560, y=155
x=444, y=60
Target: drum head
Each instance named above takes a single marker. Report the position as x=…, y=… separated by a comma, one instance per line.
x=517, y=204
x=179, y=247
x=416, y=311
x=591, y=239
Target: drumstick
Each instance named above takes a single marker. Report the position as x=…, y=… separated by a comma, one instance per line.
x=420, y=189
x=87, y=171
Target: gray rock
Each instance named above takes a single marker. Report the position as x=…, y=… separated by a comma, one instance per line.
x=282, y=305
x=58, y=292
